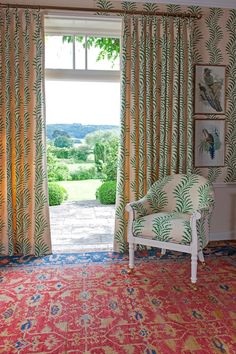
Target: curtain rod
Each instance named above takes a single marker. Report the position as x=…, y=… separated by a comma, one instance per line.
x=109, y=11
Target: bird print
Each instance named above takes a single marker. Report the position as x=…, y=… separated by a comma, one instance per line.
x=210, y=141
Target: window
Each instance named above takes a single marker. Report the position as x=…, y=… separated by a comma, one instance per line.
x=73, y=46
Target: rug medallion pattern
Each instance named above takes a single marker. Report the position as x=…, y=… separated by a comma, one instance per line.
x=88, y=304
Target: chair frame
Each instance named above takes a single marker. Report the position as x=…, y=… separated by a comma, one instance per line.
x=193, y=248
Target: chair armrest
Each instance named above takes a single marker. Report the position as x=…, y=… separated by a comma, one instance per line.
x=205, y=211
x=139, y=208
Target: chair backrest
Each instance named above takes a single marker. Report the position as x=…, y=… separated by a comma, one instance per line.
x=181, y=193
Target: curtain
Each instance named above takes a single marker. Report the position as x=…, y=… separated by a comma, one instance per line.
x=24, y=212
x=156, y=108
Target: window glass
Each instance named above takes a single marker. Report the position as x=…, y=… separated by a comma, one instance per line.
x=95, y=47
x=80, y=52
x=58, y=53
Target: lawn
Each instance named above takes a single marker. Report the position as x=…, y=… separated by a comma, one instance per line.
x=81, y=190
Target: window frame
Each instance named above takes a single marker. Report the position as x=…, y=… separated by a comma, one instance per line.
x=82, y=74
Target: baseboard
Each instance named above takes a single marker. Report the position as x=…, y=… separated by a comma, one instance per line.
x=224, y=185
x=222, y=236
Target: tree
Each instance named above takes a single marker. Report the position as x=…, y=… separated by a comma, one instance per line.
x=106, y=157
x=99, y=155
x=100, y=136
x=63, y=142
x=59, y=132
x=109, y=47
x=111, y=159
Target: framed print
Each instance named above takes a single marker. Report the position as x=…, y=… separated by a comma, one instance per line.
x=209, y=90
x=209, y=142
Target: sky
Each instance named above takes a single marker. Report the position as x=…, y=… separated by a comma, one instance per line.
x=82, y=102
x=77, y=101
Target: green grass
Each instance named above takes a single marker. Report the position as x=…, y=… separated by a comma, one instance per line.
x=81, y=190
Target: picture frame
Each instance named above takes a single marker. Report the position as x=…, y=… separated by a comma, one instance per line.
x=209, y=143
x=209, y=89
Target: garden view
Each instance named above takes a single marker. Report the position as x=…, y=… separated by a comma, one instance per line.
x=82, y=162
x=82, y=157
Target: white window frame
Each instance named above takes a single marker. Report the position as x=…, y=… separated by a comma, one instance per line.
x=86, y=26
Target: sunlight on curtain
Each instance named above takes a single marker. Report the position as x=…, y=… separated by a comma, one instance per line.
x=156, y=108
x=24, y=212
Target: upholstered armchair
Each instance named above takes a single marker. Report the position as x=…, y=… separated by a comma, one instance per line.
x=173, y=215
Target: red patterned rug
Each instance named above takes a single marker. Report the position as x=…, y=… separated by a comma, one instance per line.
x=90, y=305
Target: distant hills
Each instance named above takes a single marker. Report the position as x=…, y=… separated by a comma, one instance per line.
x=75, y=130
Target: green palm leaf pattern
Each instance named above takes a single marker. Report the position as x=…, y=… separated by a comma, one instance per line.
x=128, y=6
x=202, y=231
x=231, y=95
x=216, y=57
x=8, y=151
x=138, y=226
x=134, y=112
x=172, y=9
x=162, y=228
x=2, y=147
x=156, y=82
x=142, y=111
x=149, y=95
x=175, y=107
x=140, y=210
x=26, y=230
x=189, y=88
x=152, y=115
x=198, y=35
x=216, y=34
x=206, y=199
x=163, y=98
x=104, y=4
x=156, y=196
x=122, y=199
x=150, y=7
x=187, y=234
x=213, y=174
x=182, y=193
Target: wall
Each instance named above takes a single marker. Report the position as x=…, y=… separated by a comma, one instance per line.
x=215, y=43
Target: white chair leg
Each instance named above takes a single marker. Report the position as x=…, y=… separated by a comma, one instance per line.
x=201, y=256
x=131, y=256
x=163, y=251
x=194, y=268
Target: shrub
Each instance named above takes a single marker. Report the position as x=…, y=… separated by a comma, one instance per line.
x=80, y=153
x=61, y=153
x=76, y=153
x=62, y=173
x=56, y=170
x=107, y=193
x=57, y=194
x=83, y=174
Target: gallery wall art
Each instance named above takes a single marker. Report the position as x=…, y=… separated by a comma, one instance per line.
x=209, y=142
x=209, y=93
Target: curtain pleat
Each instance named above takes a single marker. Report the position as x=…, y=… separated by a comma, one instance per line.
x=24, y=211
x=156, y=108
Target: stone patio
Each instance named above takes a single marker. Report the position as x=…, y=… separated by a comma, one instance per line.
x=82, y=226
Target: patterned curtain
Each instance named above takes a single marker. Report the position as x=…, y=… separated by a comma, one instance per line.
x=24, y=212
x=156, y=111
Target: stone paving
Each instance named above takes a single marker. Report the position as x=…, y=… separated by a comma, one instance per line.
x=82, y=226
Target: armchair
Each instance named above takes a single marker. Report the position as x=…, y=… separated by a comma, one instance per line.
x=174, y=215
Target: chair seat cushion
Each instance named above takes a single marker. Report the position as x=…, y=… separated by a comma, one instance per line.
x=167, y=227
